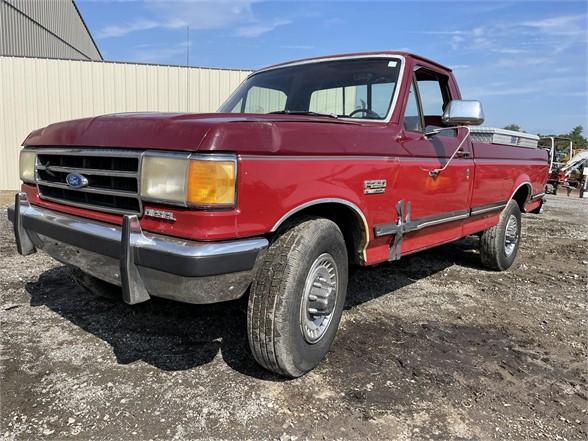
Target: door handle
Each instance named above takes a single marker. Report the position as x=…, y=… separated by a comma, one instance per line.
x=462, y=154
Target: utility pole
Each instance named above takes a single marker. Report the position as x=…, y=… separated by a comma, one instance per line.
x=187, y=45
x=188, y=68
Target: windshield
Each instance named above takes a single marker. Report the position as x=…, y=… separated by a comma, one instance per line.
x=360, y=88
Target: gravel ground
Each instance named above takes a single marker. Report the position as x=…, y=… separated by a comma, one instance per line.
x=430, y=347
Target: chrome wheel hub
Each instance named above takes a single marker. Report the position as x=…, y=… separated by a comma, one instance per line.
x=511, y=236
x=319, y=298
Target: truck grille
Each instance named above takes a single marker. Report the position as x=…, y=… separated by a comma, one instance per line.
x=113, y=178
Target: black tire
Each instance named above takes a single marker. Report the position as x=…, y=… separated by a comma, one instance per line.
x=94, y=285
x=274, y=313
x=498, y=249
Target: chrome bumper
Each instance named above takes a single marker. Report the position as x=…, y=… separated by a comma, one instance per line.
x=143, y=264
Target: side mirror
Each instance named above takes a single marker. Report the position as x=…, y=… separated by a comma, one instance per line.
x=461, y=112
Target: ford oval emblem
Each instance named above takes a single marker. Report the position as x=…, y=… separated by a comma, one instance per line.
x=76, y=180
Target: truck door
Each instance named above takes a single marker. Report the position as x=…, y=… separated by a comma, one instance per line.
x=438, y=204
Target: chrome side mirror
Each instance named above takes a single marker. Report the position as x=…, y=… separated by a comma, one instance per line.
x=461, y=112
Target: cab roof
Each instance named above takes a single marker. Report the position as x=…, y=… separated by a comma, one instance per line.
x=356, y=54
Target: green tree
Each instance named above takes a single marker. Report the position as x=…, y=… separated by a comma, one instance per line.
x=578, y=140
x=514, y=127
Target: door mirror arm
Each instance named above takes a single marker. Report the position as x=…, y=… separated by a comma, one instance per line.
x=435, y=172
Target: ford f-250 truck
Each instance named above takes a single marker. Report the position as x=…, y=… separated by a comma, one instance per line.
x=308, y=167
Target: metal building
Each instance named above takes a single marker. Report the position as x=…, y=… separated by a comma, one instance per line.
x=45, y=29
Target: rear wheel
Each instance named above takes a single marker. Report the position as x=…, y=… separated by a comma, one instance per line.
x=297, y=298
x=499, y=245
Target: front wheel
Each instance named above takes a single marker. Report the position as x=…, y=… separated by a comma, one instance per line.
x=297, y=298
x=499, y=245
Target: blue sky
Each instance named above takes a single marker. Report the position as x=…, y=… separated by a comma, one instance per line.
x=525, y=60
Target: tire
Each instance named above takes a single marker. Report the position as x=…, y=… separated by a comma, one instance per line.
x=305, y=261
x=499, y=245
x=94, y=285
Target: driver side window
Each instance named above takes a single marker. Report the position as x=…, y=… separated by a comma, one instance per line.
x=434, y=95
x=412, y=114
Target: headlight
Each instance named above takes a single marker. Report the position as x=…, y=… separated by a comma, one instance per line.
x=163, y=179
x=197, y=181
x=26, y=164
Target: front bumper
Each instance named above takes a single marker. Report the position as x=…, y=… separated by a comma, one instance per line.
x=142, y=263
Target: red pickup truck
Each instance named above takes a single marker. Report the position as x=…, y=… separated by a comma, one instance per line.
x=308, y=167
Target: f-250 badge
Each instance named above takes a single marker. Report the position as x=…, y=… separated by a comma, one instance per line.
x=374, y=186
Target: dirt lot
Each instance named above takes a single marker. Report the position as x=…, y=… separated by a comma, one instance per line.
x=430, y=347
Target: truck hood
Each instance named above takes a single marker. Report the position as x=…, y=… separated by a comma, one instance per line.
x=226, y=132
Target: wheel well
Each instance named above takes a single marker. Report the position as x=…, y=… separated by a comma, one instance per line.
x=347, y=219
x=522, y=196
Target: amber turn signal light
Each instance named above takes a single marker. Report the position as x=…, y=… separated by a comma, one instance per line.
x=211, y=183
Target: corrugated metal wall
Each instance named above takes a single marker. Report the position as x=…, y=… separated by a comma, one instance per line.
x=35, y=92
x=45, y=28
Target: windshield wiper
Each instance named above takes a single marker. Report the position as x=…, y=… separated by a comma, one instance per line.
x=304, y=112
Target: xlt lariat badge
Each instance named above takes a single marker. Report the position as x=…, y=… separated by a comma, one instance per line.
x=374, y=186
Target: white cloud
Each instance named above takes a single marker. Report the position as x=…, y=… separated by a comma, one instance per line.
x=509, y=50
x=565, y=31
x=564, y=24
x=198, y=15
x=559, y=86
x=456, y=41
x=510, y=91
x=124, y=29
x=256, y=29
x=433, y=32
x=552, y=34
x=524, y=61
x=579, y=93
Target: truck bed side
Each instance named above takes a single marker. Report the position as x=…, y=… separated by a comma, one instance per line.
x=500, y=170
